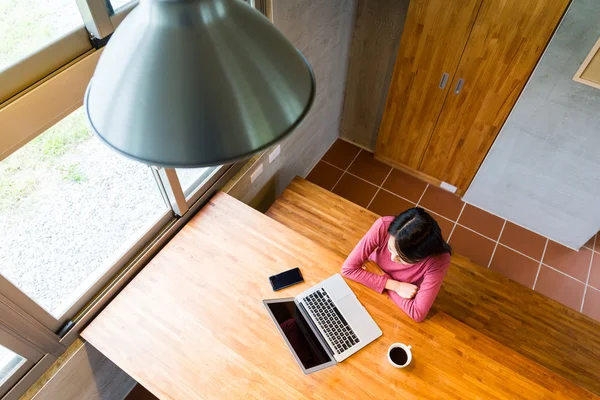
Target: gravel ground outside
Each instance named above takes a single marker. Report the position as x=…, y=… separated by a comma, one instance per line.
x=9, y=362
x=63, y=216
x=29, y=25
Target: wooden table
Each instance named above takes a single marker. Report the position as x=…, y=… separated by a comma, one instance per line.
x=535, y=326
x=192, y=325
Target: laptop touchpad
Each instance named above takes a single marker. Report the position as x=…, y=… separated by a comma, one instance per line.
x=337, y=288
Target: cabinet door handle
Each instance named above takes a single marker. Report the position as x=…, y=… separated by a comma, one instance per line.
x=459, y=86
x=443, y=81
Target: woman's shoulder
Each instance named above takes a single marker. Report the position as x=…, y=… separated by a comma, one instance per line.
x=385, y=221
x=380, y=227
x=438, y=261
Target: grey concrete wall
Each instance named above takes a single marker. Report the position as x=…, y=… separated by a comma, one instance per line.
x=375, y=42
x=322, y=30
x=543, y=171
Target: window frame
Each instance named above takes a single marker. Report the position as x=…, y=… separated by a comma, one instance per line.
x=44, y=62
x=14, y=378
x=96, y=18
x=52, y=82
x=25, y=347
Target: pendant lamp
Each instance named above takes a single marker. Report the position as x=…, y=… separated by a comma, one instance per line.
x=195, y=83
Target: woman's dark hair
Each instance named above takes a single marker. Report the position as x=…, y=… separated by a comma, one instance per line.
x=417, y=235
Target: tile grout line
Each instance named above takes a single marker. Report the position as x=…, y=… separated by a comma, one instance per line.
x=379, y=188
x=422, y=194
x=456, y=222
x=427, y=209
x=541, y=263
x=496, y=245
x=345, y=171
x=518, y=252
x=332, y=165
x=397, y=195
x=408, y=200
x=474, y=231
x=593, y=288
x=488, y=238
x=420, y=198
x=349, y=173
x=321, y=159
x=587, y=281
x=466, y=227
x=565, y=274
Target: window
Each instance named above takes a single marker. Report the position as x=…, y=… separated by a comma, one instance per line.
x=116, y=4
x=75, y=216
x=190, y=178
x=27, y=26
x=68, y=206
x=9, y=363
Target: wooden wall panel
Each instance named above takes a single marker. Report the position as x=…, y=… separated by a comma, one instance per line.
x=434, y=37
x=507, y=40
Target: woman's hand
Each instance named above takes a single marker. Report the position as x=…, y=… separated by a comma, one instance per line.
x=404, y=290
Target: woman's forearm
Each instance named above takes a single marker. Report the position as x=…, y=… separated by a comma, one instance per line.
x=411, y=307
x=369, y=279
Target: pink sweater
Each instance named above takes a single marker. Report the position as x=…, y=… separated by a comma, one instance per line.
x=427, y=274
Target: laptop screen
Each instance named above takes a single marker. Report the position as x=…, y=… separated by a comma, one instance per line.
x=302, y=339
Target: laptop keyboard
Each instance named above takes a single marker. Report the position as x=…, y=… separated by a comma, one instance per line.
x=331, y=321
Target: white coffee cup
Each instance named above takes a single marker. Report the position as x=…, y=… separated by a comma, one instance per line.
x=408, y=354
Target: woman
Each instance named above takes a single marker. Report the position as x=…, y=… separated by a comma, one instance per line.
x=410, y=250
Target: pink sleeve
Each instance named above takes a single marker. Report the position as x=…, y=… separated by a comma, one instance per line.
x=418, y=307
x=352, y=268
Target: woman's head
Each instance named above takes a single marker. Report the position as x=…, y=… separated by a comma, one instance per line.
x=414, y=236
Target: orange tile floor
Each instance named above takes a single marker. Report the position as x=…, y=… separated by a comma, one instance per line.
x=570, y=277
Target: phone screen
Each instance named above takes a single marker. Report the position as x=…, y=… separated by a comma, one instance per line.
x=285, y=279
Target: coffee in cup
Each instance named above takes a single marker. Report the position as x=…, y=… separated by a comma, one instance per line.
x=399, y=355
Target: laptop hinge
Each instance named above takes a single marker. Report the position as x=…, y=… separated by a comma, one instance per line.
x=316, y=330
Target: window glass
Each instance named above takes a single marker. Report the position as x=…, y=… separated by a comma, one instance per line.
x=69, y=206
x=116, y=4
x=29, y=25
x=9, y=363
x=191, y=178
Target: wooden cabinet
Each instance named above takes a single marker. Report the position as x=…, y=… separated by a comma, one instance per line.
x=488, y=49
x=432, y=43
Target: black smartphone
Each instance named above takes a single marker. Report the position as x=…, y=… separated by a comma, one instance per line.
x=285, y=279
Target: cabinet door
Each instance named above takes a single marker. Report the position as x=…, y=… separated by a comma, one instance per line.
x=506, y=42
x=434, y=37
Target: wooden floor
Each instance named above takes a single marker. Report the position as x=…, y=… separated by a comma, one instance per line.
x=523, y=320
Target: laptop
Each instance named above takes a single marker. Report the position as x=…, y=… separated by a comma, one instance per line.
x=323, y=325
